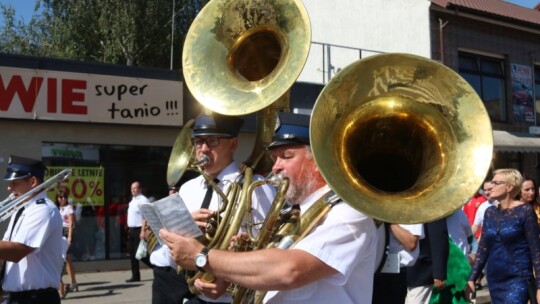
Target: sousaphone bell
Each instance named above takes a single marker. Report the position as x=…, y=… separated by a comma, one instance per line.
x=401, y=138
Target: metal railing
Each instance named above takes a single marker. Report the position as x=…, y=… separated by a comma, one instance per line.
x=328, y=66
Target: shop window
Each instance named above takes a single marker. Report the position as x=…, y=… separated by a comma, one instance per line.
x=486, y=75
x=99, y=190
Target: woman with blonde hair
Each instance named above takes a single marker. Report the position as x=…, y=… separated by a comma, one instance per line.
x=509, y=244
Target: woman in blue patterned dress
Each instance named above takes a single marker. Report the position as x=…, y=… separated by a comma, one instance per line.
x=509, y=243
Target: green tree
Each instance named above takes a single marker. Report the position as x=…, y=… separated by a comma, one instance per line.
x=18, y=37
x=134, y=32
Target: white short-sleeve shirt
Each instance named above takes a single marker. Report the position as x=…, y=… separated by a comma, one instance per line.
x=347, y=242
x=134, y=216
x=406, y=258
x=479, y=217
x=39, y=227
x=65, y=212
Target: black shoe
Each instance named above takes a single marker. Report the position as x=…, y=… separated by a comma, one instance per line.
x=133, y=280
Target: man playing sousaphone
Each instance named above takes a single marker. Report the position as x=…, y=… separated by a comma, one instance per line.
x=334, y=263
x=215, y=138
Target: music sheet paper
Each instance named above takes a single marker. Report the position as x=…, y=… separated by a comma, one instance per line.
x=172, y=214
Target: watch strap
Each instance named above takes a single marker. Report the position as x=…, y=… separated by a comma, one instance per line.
x=204, y=252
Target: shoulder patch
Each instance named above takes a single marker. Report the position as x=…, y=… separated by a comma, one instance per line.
x=40, y=201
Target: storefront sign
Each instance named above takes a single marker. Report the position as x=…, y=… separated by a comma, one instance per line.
x=55, y=95
x=66, y=152
x=522, y=96
x=85, y=186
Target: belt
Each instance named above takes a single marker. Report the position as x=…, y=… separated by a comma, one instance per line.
x=133, y=228
x=166, y=268
x=31, y=293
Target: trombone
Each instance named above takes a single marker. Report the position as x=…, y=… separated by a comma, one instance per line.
x=12, y=204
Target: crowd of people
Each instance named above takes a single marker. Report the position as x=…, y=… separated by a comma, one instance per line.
x=331, y=259
x=437, y=262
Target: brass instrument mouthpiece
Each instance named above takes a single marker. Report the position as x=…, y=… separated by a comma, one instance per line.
x=275, y=179
x=203, y=160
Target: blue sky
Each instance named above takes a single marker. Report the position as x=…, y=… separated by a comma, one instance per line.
x=25, y=8
x=525, y=3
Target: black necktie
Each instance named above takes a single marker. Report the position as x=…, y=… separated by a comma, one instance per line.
x=19, y=212
x=208, y=195
x=3, y=272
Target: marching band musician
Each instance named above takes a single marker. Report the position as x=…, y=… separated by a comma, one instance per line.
x=332, y=264
x=32, y=245
x=215, y=136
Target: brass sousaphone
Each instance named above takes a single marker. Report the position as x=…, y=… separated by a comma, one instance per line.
x=401, y=138
x=242, y=57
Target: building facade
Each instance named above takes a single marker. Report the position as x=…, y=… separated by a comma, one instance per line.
x=496, y=47
x=115, y=125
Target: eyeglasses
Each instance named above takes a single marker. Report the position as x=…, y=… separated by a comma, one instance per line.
x=496, y=183
x=211, y=142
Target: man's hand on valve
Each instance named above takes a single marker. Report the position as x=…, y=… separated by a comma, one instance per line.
x=211, y=289
x=201, y=217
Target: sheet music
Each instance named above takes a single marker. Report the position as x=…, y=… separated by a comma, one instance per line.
x=149, y=214
x=172, y=214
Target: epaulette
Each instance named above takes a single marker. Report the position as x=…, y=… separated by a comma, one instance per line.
x=40, y=201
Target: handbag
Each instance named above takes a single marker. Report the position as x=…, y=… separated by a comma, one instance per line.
x=142, y=250
x=531, y=282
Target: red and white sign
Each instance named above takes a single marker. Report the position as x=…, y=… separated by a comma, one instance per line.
x=67, y=96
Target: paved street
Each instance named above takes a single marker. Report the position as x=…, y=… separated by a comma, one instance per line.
x=482, y=296
x=109, y=287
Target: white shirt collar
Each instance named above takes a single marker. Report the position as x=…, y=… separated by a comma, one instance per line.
x=227, y=174
x=313, y=197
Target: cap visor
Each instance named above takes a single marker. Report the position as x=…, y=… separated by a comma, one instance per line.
x=14, y=175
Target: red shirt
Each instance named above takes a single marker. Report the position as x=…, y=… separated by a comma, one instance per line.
x=471, y=207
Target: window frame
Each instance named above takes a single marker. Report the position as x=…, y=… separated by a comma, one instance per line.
x=480, y=71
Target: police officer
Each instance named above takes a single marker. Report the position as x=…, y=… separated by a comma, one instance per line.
x=32, y=245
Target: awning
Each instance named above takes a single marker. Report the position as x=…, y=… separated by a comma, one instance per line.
x=507, y=142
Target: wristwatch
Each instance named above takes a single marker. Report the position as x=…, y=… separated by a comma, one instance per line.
x=201, y=259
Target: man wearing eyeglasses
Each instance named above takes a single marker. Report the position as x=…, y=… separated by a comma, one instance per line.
x=214, y=137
